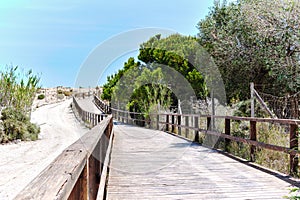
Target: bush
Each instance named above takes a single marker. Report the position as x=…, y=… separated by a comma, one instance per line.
x=41, y=96
x=16, y=125
x=67, y=93
x=12, y=113
x=60, y=96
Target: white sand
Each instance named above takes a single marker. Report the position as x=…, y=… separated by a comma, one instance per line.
x=21, y=163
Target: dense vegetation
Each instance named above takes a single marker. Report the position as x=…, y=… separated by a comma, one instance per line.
x=179, y=53
x=257, y=41
x=17, y=94
x=249, y=40
x=165, y=68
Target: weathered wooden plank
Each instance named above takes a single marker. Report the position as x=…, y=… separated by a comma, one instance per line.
x=148, y=164
x=60, y=177
x=101, y=190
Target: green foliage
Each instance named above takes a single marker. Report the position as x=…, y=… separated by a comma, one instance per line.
x=60, y=96
x=113, y=79
x=41, y=96
x=67, y=93
x=17, y=92
x=18, y=89
x=16, y=125
x=150, y=97
x=177, y=52
x=243, y=109
x=254, y=41
x=12, y=113
x=294, y=194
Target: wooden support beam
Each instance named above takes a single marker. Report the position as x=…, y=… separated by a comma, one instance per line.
x=294, y=160
x=227, y=132
x=187, y=125
x=253, y=138
x=179, y=124
x=196, y=120
x=167, y=123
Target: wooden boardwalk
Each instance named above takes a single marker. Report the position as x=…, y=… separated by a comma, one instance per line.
x=148, y=164
x=88, y=105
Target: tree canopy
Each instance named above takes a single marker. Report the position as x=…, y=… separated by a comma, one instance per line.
x=178, y=52
x=257, y=41
x=249, y=41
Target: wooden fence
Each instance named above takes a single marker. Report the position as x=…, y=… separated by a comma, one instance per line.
x=80, y=171
x=102, y=105
x=175, y=123
x=88, y=117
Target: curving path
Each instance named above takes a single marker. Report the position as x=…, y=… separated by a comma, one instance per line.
x=22, y=162
x=88, y=105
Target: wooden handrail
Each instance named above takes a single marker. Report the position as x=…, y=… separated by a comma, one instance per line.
x=86, y=116
x=76, y=173
x=175, y=121
x=102, y=105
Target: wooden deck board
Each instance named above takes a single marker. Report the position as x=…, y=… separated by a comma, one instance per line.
x=147, y=164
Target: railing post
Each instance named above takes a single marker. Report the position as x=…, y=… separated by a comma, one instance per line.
x=196, y=119
x=252, y=137
x=208, y=123
x=80, y=190
x=167, y=123
x=179, y=124
x=187, y=130
x=94, y=119
x=127, y=117
x=173, y=122
x=294, y=145
x=227, y=132
x=94, y=172
x=157, y=122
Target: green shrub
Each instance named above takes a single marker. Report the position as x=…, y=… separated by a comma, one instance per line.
x=59, y=91
x=16, y=125
x=67, y=93
x=41, y=96
x=12, y=113
x=60, y=96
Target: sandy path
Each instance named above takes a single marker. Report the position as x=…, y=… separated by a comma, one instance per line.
x=22, y=162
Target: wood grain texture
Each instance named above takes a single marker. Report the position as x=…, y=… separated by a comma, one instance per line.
x=59, y=179
x=147, y=164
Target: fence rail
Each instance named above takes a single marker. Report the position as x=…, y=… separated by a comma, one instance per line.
x=85, y=116
x=102, y=105
x=173, y=122
x=80, y=171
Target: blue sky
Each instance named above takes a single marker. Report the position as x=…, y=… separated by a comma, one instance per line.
x=54, y=38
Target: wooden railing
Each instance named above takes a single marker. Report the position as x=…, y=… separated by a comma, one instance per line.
x=85, y=116
x=102, y=105
x=175, y=123
x=80, y=171
x=82, y=95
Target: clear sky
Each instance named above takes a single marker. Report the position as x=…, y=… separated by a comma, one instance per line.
x=55, y=37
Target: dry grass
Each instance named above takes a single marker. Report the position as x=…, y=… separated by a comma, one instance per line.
x=277, y=135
